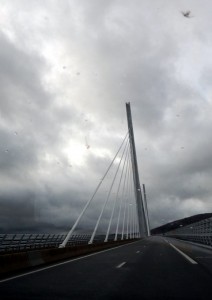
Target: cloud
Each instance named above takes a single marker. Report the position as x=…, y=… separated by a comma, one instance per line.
x=66, y=73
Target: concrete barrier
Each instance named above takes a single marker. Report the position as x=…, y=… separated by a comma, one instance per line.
x=16, y=262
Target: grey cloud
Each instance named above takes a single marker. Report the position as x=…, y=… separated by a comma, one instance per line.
x=112, y=53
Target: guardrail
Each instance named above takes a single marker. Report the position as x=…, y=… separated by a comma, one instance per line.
x=199, y=232
x=18, y=242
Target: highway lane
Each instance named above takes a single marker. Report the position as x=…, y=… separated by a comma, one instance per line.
x=148, y=269
x=201, y=254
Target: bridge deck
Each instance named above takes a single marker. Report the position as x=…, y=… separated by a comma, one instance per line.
x=147, y=269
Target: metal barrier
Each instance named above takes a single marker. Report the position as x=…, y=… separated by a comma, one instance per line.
x=18, y=242
x=199, y=232
x=21, y=242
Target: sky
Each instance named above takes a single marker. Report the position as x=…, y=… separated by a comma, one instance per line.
x=67, y=68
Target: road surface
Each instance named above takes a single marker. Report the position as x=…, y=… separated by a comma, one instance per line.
x=154, y=268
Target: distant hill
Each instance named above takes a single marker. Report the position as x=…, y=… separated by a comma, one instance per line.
x=179, y=223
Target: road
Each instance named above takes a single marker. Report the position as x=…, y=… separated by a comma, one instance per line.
x=153, y=268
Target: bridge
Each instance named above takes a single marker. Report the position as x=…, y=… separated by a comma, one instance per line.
x=120, y=260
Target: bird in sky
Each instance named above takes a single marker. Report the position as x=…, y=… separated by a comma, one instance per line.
x=186, y=14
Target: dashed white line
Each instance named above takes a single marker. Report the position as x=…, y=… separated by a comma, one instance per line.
x=184, y=255
x=138, y=252
x=121, y=265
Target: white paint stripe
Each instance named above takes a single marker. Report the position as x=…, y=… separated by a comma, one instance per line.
x=193, y=243
x=138, y=252
x=63, y=263
x=121, y=265
x=185, y=255
x=207, y=257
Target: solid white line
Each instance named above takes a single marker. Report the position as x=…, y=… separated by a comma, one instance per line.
x=185, y=255
x=195, y=244
x=119, y=266
x=63, y=263
x=207, y=257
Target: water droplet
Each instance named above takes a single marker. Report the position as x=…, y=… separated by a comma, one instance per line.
x=16, y=133
x=86, y=143
x=6, y=150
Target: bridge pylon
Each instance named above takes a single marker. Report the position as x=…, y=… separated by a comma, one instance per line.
x=142, y=217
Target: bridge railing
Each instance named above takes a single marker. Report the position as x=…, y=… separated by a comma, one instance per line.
x=21, y=242
x=199, y=232
x=18, y=242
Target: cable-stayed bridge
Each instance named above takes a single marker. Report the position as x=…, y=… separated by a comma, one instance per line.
x=118, y=206
x=128, y=208
x=139, y=266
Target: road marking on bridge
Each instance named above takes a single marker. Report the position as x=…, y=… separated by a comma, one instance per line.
x=121, y=265
x=207, y=257
x=63, y=263
x=184, y=255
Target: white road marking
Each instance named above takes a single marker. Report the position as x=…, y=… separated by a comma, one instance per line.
x=184, y=255
x=138, y=252
x=121, y=265
x=207, y=257
x=63, y=263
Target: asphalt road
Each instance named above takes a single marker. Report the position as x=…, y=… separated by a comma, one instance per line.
x=149, y=269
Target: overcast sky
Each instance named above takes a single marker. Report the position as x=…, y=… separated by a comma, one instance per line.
x=66, y=70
